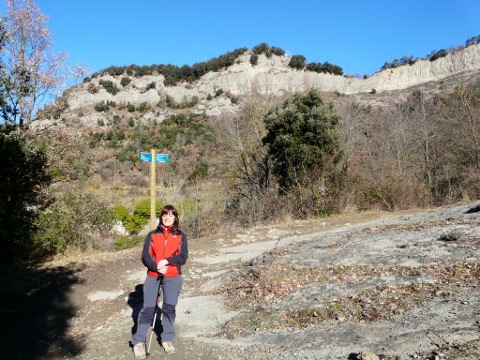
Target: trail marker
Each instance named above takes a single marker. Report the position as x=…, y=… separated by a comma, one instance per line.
x=160, y=158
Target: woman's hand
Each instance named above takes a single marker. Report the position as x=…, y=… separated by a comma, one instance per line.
x=163, y=262
x=162, y=269
x=162, y=266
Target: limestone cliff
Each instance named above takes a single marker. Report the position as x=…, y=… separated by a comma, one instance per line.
x=270, y=76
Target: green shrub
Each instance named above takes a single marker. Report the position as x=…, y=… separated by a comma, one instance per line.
x=92, y=89
x=326, y=68
x=142, y=209
x=303, y=130
x=177, y=131
x=25, y=180
x=95, y=139
x=101, y=106
x=297, y=62
x=141, y=215
x=173, y=74
x=200, y=171
x=170, y=81
x=120, y=135
x=130, y=107
x=277, y=51
x=72, y=222
x=262, y=48
x=434, y=55
x=52, y=235
x=125, y=81
x=144, y=106
x=126, y=242
x=123, y=242
x=171, y=103
x=120, y=213
x=104, y=106
x=109, y=86
x=254, y=59
x=128, y=153
x=132, y=225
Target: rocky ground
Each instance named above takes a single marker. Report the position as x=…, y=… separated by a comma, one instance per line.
x=361, y=286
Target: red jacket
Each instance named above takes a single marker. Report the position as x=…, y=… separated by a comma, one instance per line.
x=161, y=245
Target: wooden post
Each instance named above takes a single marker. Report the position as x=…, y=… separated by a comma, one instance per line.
x=153, y=193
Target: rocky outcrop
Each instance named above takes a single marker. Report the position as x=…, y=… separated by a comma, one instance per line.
x=270, y=77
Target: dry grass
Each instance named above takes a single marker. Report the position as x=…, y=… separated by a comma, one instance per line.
x=420, y=226
x=258, y=287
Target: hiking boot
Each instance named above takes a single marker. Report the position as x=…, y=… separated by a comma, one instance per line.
x=168, y=347
x=139, y=351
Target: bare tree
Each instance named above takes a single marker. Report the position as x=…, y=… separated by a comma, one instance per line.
x=248, y=164
x=243, y=134
x=469, y=115
x=353, y=129
x=32, y=73
x=426, y=137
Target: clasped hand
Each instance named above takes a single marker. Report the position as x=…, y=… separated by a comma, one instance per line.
x=162, y=266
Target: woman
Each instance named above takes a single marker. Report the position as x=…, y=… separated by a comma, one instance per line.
x=164, y=252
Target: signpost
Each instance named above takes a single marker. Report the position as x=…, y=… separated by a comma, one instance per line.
x=147, y=157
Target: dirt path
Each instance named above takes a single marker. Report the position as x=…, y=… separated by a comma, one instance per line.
x=104, y=293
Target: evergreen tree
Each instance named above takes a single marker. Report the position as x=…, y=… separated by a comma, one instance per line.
x=302, y=139
x=24, y=178
x=298, y=62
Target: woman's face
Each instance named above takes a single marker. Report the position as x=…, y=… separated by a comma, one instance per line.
x=168, y=219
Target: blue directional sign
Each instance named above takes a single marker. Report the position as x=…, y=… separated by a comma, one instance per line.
x=161, y=158
x=147, y=157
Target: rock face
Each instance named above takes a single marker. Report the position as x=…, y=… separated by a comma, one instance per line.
x=269, y=77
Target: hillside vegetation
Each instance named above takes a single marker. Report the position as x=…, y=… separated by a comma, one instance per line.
x=268, y=158
x=303, y=156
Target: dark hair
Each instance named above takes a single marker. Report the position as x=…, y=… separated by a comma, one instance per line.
x=167, y=209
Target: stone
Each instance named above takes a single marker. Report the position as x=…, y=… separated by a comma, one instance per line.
x=367, y=355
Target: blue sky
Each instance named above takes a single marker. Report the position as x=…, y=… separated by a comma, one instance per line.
x=357, y=35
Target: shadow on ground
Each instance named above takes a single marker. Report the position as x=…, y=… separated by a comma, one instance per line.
x=135, y=301
x=35, y=312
